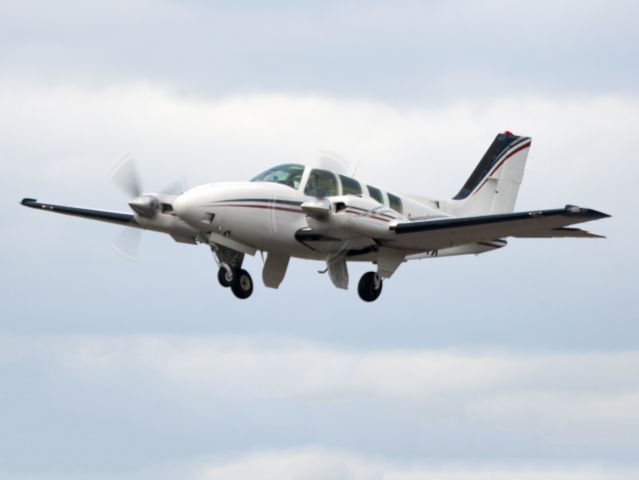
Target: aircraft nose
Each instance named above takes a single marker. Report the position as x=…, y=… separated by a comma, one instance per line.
x=191, y=207
x=183, y=207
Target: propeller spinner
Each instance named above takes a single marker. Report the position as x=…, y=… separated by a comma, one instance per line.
x=125, y=176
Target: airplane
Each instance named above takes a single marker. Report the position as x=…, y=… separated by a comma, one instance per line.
x=293, y=210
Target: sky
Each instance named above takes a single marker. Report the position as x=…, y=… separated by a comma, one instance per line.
x=520, y=364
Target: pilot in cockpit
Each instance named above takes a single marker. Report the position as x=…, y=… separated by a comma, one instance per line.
x=320, y=185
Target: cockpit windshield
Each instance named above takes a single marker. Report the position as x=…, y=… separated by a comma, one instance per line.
x=288, y=174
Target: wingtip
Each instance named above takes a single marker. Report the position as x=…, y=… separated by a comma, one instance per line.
x=592, y=235
x=586, y=211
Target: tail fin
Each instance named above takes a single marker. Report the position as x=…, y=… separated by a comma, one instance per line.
x=494, y=184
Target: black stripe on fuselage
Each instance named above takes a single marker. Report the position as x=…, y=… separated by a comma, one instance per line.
x=263, y=200
x=297, y=204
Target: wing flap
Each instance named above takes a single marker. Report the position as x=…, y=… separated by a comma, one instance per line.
x=560, y=233
x=449, y=232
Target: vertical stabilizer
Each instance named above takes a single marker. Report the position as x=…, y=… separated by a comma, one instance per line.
x=494, y=184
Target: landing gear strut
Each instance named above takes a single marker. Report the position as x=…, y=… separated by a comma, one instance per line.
x=369, y=287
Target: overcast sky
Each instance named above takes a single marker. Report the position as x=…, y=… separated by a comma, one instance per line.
x=522, y=363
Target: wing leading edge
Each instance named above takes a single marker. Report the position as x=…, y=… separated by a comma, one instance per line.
x=448, y=232
x=100, y=215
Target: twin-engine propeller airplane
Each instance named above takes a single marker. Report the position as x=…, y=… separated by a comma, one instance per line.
x=293, y=210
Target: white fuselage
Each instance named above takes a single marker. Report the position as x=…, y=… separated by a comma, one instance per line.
x=273, y=217
x=263, y=216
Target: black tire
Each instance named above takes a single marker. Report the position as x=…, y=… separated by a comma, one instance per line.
x=223, y=276
x=242, y=285
x=369, y=287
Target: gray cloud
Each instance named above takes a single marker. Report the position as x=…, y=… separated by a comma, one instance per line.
x=147, y=401
x=405, y=52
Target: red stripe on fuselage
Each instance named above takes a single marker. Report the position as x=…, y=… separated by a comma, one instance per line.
x=267, y=207
x=367, y=215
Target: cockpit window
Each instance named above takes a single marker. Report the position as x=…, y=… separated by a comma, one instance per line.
x=288, y=174
x=321, y=183
x=376, y=193
x=350, y=186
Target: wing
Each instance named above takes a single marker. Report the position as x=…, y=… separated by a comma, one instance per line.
x=101, y=215
x=449, y=232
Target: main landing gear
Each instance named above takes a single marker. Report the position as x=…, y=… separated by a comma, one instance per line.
x=369, y=287
x=238, y=279
x=232, y=275
x=241, y=283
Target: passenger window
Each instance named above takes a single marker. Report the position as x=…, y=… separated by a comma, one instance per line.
x=350, y=186
x=321, y=183
x=376, y=193
x=394, y=202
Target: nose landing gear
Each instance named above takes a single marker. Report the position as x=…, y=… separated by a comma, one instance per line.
x=225, y=276
x=370, y=286
x=231, y=273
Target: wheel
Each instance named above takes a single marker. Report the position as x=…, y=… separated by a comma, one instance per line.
x=242, y=285
x=225, y=277
x=370, y=286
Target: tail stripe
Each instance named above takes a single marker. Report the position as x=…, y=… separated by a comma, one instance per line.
x=513, y=152
x=523, y=147
x=503, y=143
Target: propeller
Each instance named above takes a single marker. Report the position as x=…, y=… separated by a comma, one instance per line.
x=321, y=185
x=336, y=163
x=127, y=243
x=124, y=175
x=320, y=207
